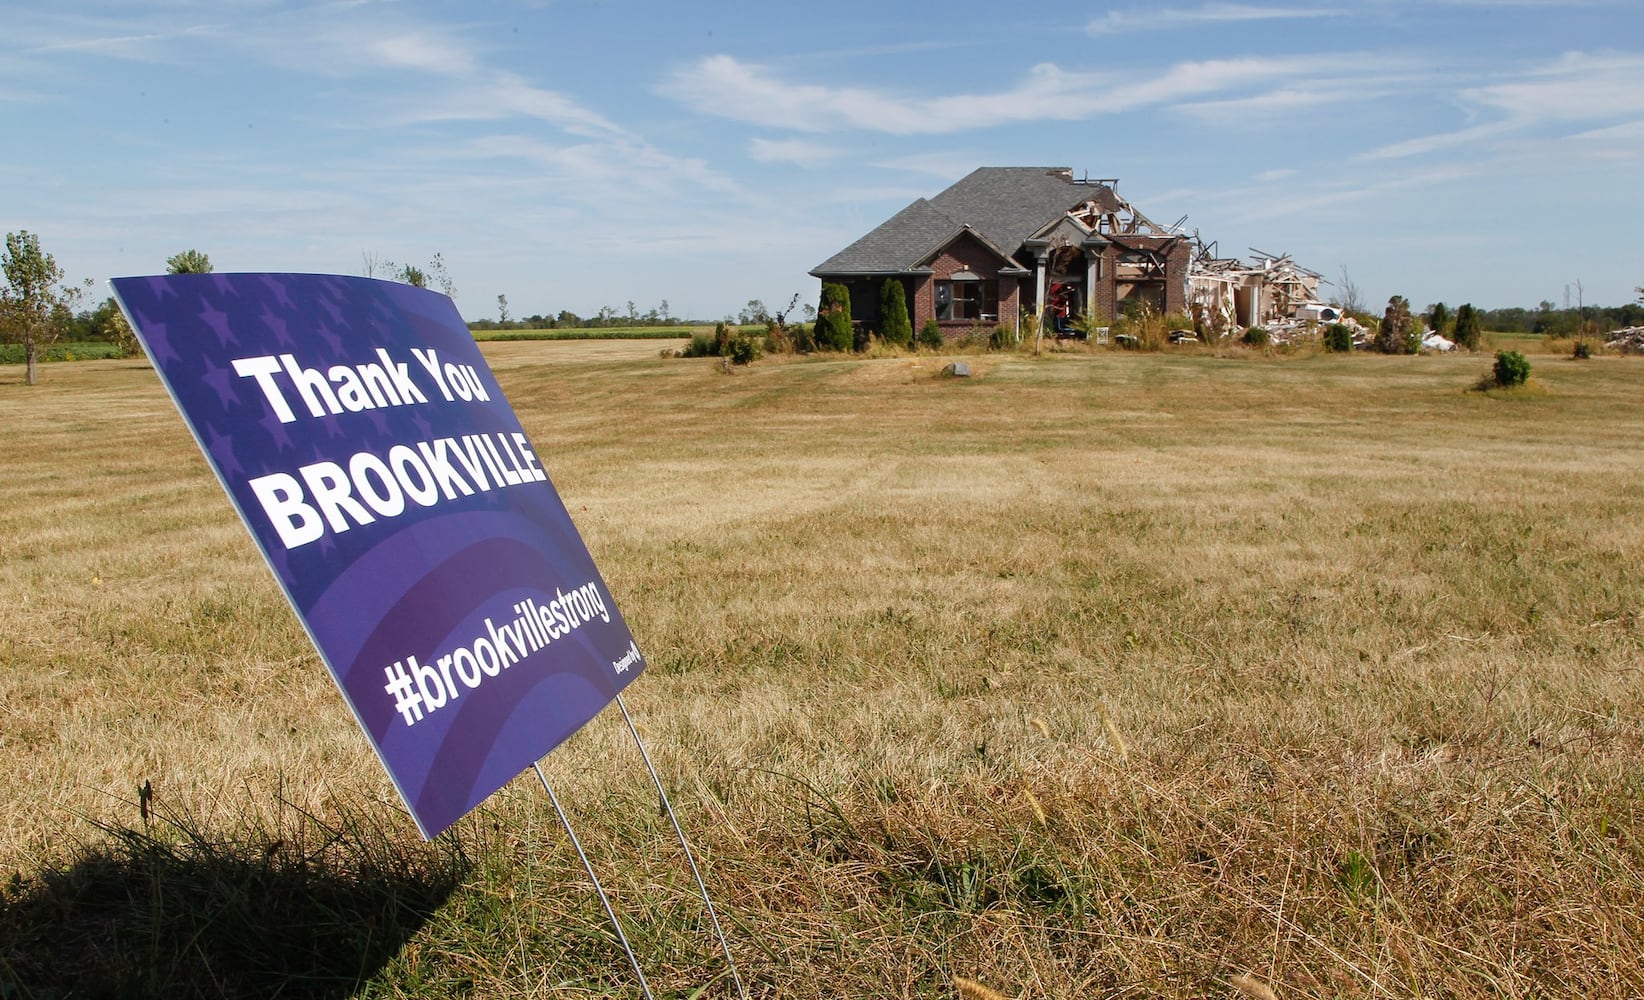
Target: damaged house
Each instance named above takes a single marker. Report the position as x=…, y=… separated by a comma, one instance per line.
x=1007, y=239
x=1225, y=293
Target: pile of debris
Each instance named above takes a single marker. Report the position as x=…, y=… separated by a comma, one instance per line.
x=1628, y=341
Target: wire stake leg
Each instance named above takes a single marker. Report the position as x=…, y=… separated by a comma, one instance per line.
x=689, y=857
x=588, y=867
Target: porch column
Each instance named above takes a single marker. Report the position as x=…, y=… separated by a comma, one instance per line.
x=1091, y=264
x=1039, y=281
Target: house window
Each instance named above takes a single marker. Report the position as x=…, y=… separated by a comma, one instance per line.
x=967, y=300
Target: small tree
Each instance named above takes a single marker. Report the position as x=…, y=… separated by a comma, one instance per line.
x=894, y=325
x=35, y=304
x=502, y=310
x=109, y=323
x=1511, y=369
x=1438, y=317
x=1338, y=337
x=188, y=262
x=434, y=276
x=1467, y=333
x=833, y=318
x=1397, y=334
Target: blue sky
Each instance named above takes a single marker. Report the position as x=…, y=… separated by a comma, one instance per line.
x=573, y=155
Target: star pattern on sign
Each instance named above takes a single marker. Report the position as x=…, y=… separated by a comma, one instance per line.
x=422, y=424
x=333, y=427
x=273, y=321
x=221, y=447
x=332, y=308
x=276, y=431
x=217, y=321
x=159, y=345
x=379, y=420
x=274, y=284
x=160, y=289
x=325, y=333
x=221, y=381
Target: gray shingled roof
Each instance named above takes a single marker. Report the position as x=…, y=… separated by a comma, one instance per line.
x=1005, y=205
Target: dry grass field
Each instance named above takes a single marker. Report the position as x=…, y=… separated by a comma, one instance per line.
x=1093, y=675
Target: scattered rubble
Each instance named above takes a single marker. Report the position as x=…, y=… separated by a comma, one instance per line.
x=1629, y=340
x=1225, y=293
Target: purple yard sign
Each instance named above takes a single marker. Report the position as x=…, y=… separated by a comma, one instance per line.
x=370, y=451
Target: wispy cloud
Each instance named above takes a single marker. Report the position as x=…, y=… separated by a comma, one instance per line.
x=427, y=53
x=799, y=152
x=725, y=87
x=1576, y=87
x=1161, y=18
x=1580, y=86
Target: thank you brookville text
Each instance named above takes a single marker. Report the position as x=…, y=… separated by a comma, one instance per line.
x=368, y=486
x=302, y=505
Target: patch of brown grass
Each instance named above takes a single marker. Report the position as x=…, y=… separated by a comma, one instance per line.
x=1100, y=673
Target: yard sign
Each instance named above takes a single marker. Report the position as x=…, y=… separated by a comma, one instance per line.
x=369, y=449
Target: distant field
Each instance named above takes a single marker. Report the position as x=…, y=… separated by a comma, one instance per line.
x=596, y=333
x=75, y=350
x=1093, y=675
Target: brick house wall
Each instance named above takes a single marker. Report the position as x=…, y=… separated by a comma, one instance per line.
x=966, y=253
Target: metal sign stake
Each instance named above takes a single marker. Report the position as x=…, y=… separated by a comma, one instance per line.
x=599, y=890
x=689, y=856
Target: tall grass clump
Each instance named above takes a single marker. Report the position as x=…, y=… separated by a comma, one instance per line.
x=1141, y=327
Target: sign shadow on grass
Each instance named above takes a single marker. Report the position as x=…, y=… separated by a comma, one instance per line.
x=167, y=911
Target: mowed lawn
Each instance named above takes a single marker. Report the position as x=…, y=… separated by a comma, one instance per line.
x=1094, y=674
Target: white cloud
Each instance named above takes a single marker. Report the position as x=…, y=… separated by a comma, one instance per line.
x=723, y=86
x=1577, y=87
x=1155, y=19
x=946, y=165
x=799, y=152
x=1433, y=143
x=419, y=52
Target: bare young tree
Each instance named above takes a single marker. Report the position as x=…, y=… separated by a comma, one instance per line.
x=1351, y=297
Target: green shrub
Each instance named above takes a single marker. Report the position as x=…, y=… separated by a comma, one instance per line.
x=1338, y=337
x=701, y=346
x=1257, y=336
x=1511, y=369
x=833, y=319
x=930, y=335
x=1001, y=339
x=803, y=337
x=744, y=348
x=894, y=325
x=717, y=344
x=1581, y=351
